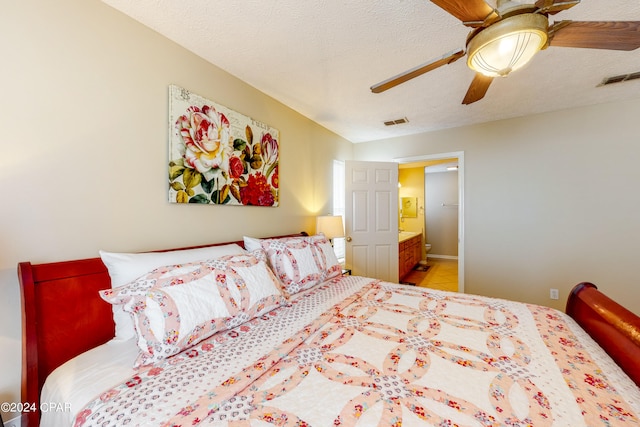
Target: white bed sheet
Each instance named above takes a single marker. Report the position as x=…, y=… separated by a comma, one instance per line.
x=74, y=384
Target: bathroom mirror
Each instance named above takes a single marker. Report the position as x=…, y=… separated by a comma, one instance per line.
x=409, y=207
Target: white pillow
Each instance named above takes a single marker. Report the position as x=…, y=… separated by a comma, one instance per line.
x=251, y=243
x=126, y=267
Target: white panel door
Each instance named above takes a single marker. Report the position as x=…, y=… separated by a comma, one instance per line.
x=371, y=219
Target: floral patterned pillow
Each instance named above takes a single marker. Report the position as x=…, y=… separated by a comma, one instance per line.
x=301, y=262
x=175, y=307
x=125, y=267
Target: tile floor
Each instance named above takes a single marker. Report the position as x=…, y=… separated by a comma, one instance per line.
x=442, y=274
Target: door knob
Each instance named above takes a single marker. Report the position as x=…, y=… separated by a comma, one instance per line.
x=348, y=239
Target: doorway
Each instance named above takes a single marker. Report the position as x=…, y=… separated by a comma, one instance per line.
x=458, y=157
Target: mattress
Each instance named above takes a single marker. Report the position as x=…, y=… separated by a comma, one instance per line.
x=357, y=351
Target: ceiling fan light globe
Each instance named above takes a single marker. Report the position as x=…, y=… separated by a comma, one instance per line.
x=507, y=45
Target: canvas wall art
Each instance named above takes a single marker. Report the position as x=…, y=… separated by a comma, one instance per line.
x=219, y=156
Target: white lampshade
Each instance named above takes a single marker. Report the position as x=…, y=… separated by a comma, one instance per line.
x=330, y=226
x=507, y=45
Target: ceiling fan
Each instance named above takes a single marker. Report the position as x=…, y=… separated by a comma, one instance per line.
x=507, y=37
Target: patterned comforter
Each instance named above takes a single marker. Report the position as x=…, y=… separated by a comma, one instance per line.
x=355, y=351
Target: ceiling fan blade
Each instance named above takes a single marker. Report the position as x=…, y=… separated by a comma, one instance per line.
x=477, y=89
x=472, y=13
x=554, y=6
x=417, y=71
x=614, y=35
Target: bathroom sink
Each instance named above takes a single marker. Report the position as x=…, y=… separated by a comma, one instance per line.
x=406, y=235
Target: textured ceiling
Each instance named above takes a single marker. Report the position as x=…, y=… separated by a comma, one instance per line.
x=320, y=58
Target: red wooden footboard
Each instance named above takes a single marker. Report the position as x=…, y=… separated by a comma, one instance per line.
x=615, y=328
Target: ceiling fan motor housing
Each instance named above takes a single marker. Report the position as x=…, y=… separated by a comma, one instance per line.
x=508, y=44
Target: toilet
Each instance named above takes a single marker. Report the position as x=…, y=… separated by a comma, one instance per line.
x=427, y=248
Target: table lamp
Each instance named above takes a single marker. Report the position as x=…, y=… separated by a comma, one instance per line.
x=330, y=226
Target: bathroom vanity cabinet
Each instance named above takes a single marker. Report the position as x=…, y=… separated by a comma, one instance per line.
x=410, y=254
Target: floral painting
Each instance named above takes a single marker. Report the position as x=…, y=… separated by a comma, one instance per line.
x=219, y=156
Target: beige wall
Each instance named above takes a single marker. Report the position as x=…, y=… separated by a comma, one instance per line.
x=442, y=221
x=83, y=151
x=550, y=200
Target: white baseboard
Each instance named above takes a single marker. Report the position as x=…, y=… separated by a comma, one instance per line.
x=442, y=256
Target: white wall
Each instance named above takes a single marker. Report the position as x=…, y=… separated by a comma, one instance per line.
x=550, y=200
x=83, y=151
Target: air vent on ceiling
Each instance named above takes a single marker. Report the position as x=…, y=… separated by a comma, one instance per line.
x=620, y=78
x=396, y=122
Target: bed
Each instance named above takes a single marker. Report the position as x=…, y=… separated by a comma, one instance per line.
x=333, y=350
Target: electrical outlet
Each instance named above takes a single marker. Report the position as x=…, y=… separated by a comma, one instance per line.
x=15, y=422
x=553, y=294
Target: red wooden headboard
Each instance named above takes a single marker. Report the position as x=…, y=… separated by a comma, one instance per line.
x=63, y=316
x=64, y=293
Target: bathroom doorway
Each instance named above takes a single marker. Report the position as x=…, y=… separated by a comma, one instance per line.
x=450, y=201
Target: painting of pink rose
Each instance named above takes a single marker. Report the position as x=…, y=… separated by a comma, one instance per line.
x=207, y=139
x=214, y=157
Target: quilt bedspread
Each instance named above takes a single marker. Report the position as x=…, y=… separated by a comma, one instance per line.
x=355, y=351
